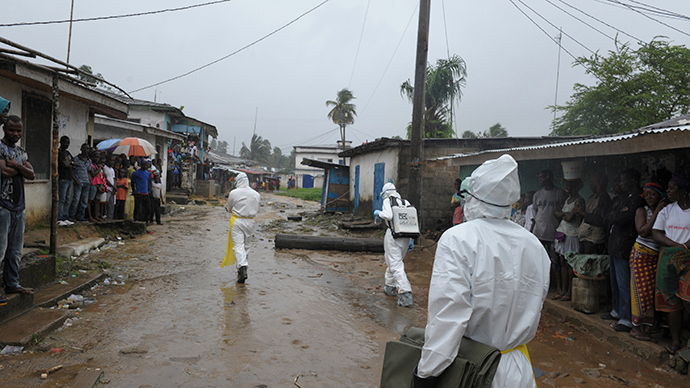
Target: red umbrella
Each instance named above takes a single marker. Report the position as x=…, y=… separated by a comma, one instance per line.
x=134, y=146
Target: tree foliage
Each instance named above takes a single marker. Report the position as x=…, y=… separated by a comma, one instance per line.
x=442, y=86
x=496, y=130
x=633, y=88
x=343, y=112
x=260, y=150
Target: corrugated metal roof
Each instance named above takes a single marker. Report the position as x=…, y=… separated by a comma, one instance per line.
x=595, y=139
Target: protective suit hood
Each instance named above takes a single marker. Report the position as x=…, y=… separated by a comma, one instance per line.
x=493, y=189
x=241, y=180
x=388, y=189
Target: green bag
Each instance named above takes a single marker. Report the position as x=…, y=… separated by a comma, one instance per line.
x=474, y=366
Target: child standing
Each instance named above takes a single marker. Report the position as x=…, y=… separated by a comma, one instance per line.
x=122, y=184
x=156, y=198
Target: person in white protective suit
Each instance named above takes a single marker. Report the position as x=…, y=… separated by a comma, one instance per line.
x=396, y=283
x=489, y=281
x=243, y=203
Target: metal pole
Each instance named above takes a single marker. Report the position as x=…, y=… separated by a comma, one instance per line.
x=417, y=134
x=69, y=39
x=558, y=70
x=54, y=165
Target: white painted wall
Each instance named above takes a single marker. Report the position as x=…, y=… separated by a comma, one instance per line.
x=74, y=117
x=366, y=164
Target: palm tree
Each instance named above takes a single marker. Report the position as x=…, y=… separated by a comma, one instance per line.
x=469, y=135
x=343, y=112
x=496, y=130
x=442, y=87
x=259, y=149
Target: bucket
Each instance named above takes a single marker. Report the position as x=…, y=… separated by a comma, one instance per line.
x=572, y=170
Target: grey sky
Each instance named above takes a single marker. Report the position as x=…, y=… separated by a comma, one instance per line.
x=288, y=76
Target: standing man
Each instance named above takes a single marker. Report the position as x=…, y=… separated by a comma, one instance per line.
x=81, y=184
x=396, y=283
x=243, y=203
x=489, y=281
x=546, y=202
x=140, y=189
x=65, y=178
x=14, y=167
x=622, y=237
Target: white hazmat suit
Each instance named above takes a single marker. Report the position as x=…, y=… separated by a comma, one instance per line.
x=243, y=202
x=489, y=281
x=395, y=248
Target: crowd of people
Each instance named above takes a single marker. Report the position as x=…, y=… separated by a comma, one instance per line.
x=97, y=185
x=644, y=231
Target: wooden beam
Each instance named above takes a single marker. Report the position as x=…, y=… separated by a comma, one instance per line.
x=291, y=241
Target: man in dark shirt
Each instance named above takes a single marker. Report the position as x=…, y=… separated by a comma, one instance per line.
x=621, y=239
x=14, y=167
x=65, y=178
x=140, y=189
x=81, y=184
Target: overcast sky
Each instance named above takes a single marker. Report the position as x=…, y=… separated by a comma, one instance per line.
x=279, y=85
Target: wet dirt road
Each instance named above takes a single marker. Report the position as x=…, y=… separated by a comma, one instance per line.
x=180, y=320
x=303, y=318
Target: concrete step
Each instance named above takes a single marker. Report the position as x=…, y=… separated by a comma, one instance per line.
x=35, y=323
x=28, y=316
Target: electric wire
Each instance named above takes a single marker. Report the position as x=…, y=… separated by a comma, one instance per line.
x=445, y=29
x=600, y=21
x=361, y=34
x=554, y=26
x=581, y=21
x=114, y=16
x=646, y=8
x=234, y=52
x=390, y=60
x=309, y=139
x=662, y=11
x=544, y=31
x=649, y=17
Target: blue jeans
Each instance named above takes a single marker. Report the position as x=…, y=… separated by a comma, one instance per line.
x=11, y=244
x=65, y=196
x=80, y=198
x=620, y=289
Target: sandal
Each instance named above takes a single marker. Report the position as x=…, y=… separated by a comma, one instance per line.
x=672, y=349
x=556, y=297
x=642, y=337
x=3, y=300
x=565, y=299
x=19, y=290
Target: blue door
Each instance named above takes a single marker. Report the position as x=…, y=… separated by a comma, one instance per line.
x=379, y=177
x=356, y=189
x=307, y=182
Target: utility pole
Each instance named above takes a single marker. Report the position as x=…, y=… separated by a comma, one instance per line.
x=256, y=116
x=558, y=69
x=69, y=38
x=417, y=134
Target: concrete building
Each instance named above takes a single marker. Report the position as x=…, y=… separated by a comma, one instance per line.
x=307, y=176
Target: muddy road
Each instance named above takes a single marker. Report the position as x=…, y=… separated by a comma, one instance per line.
x=171, y=317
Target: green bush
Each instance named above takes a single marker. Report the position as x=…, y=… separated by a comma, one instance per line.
x=313, y=194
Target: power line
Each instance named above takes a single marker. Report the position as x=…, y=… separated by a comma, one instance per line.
x=553, y=25
x=542, y=30
x=233, y=53
x=361, y=34
x=600, y=21
x=648, y=17
x=114, y=16
x=662, y=11
x=310, y=139
x=390, y=60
